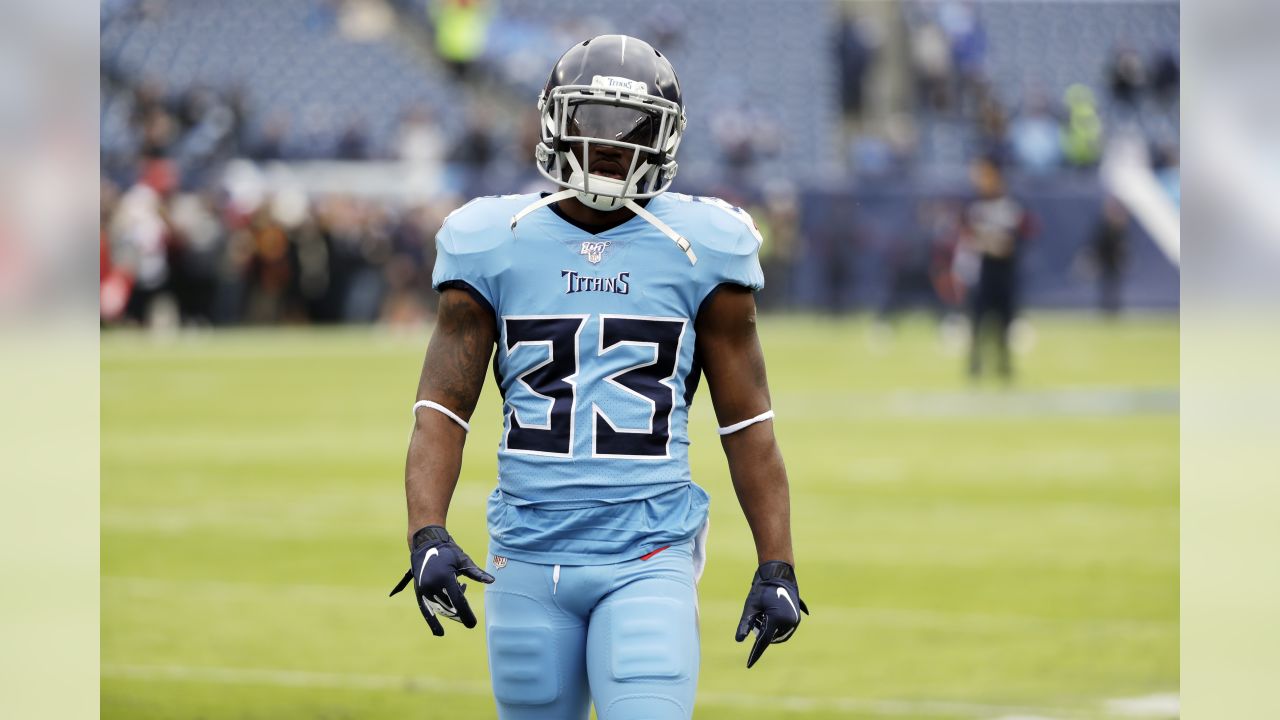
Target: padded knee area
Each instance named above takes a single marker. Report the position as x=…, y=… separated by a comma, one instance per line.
x=523, y=663
x=645, y=707
x=649, y=639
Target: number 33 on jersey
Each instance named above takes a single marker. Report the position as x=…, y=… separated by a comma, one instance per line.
x=596, y=337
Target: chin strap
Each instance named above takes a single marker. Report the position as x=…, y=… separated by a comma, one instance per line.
x=630, y=204
x=542, y=202
x=653, y=220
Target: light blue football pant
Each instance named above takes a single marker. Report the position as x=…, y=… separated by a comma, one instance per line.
x=623, y=636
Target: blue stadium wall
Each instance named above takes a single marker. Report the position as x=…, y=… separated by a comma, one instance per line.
x=856, y=231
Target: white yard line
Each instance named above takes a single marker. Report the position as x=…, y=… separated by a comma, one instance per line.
x=364, y=681
x=1161, y=705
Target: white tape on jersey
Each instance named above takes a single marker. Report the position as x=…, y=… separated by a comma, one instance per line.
x=730, y=429
x=440, y=409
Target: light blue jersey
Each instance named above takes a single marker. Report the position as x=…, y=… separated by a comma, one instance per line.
x=596, y=366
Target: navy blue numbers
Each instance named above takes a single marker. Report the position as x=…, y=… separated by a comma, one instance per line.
x=649, y=381
x=554, y=382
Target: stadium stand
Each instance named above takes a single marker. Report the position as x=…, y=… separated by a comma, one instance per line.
x=301, y=88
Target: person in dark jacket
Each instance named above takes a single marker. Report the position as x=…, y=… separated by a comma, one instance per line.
x=995, y=228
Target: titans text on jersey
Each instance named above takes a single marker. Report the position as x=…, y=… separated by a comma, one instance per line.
x=577, y=282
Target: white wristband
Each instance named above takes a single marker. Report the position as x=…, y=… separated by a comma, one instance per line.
x=441, y=409
x=728, y=430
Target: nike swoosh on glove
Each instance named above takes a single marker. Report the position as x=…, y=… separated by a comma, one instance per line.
x=434, y=567
x=773, y=608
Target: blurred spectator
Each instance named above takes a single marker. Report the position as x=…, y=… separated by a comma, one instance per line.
x=995, y=228
x=1127, y=77
x=968, y=42
x=354, y=143
x=275, y=133
x=855, y=47
x=1035, y=136
x=365, y=20
x=993, y=131
x=744, y=136
x=473, y=152
x=199, y=241
x=1109, y=250
x=141, y=237
x=270, y=270
x=931, y=63
x=159, y=131
x=1082, y=135
x=1166, y=76
x=408, y=271
x=420, y=141
x=147, y=100
x=462, y=29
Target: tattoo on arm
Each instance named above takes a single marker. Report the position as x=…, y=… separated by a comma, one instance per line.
x=459, y=352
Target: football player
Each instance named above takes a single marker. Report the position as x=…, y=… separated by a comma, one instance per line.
x=601, y=305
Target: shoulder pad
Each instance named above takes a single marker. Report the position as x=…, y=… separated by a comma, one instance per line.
x=712, y=223
x=482, y=224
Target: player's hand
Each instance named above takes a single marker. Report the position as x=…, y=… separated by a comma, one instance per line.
x=434, y=567
x=773, y=608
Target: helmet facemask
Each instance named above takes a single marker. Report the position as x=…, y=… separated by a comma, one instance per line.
x=612, y=112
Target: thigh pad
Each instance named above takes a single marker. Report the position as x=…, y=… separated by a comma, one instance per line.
x=522, y=655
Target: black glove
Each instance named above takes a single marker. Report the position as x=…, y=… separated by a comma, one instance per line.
x=773, y=608
x=434, y=566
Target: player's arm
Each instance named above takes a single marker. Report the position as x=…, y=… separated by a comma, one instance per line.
x=734, y=366
x=733, y=362
x=452, y=377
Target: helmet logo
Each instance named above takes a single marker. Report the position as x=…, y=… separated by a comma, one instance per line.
x=594, y=251
x=619, y=83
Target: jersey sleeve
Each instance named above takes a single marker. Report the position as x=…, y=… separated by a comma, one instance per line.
x=733, y=258
x=465, y=260
x=741, y=264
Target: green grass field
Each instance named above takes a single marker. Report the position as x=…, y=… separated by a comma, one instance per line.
x=968, y=552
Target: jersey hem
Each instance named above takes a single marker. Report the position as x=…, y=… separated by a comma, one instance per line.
x=539, y=557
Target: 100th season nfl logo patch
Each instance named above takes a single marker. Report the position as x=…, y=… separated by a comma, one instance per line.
x=594, y=251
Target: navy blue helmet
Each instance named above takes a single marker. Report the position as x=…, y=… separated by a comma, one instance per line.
x=615, y=91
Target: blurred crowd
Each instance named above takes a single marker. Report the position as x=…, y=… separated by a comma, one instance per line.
x=197, y=229
x=209, y=257
x=953, y=94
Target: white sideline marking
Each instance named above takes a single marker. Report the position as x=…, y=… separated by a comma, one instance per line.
x=1163, y=705
x=363, y=681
